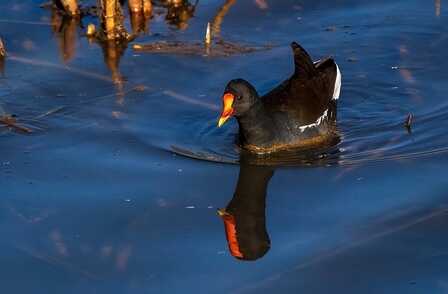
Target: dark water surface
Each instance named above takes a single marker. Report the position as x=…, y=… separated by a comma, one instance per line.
x=94, y=200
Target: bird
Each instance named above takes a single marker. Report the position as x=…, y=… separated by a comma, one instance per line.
x=298, y=113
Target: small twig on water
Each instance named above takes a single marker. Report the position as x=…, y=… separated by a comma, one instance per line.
x=10, y=121
x=50, y=112
x=408, y=122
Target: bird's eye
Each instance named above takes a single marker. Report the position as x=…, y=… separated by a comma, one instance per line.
x=239, y=97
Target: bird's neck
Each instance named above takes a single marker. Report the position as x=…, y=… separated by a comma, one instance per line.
x=255, y=126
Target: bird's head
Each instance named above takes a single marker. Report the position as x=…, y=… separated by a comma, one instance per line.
x=239, y=96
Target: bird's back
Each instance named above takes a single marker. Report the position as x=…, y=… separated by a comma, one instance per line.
x=303, y=106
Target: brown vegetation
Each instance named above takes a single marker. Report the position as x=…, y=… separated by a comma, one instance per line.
x=69, y=6
x=112, y=20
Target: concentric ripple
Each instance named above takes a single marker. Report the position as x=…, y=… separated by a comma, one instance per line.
x=371, y=131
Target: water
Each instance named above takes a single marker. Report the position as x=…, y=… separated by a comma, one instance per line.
x=97, y=198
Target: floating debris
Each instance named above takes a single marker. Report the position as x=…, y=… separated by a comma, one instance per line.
x=91, y=30
x=10, y=121
x=50, y=112
x=26, y=124
x=140, y=88
x=220, y=48
x=408, y=122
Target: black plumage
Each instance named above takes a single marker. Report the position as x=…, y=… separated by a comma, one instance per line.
x=301, y=111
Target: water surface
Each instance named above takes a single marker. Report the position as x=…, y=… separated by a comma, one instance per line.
x=95, y=199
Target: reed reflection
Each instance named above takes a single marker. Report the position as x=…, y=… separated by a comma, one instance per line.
x=65, y=30
x=219, y=17
x=113, y=51
x=179, y=12
x=140, y=12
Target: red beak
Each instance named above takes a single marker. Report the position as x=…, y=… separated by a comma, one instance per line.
x=227, y=111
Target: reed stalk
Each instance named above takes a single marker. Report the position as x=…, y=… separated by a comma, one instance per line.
x=70, y=6
x=219, y=18
x=112, y=20
x=208, y=36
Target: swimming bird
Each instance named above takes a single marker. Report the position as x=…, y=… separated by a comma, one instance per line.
x=300, y=112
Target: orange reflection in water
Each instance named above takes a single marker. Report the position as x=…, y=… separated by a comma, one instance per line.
x=65, y=30
x=140, y=12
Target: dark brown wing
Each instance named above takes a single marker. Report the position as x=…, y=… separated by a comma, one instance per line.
x=306, y=95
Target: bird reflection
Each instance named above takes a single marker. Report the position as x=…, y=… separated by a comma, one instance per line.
x=65, y=31
x=245, y=215
x=113, y=51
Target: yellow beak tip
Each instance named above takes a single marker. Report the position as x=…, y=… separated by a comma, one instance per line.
x=222, y=121
x=222, y=212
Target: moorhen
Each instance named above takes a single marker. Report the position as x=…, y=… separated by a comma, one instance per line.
x=300, y=112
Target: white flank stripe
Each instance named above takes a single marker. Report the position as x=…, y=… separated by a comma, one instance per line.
x=318, y=122
x=337, y=84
